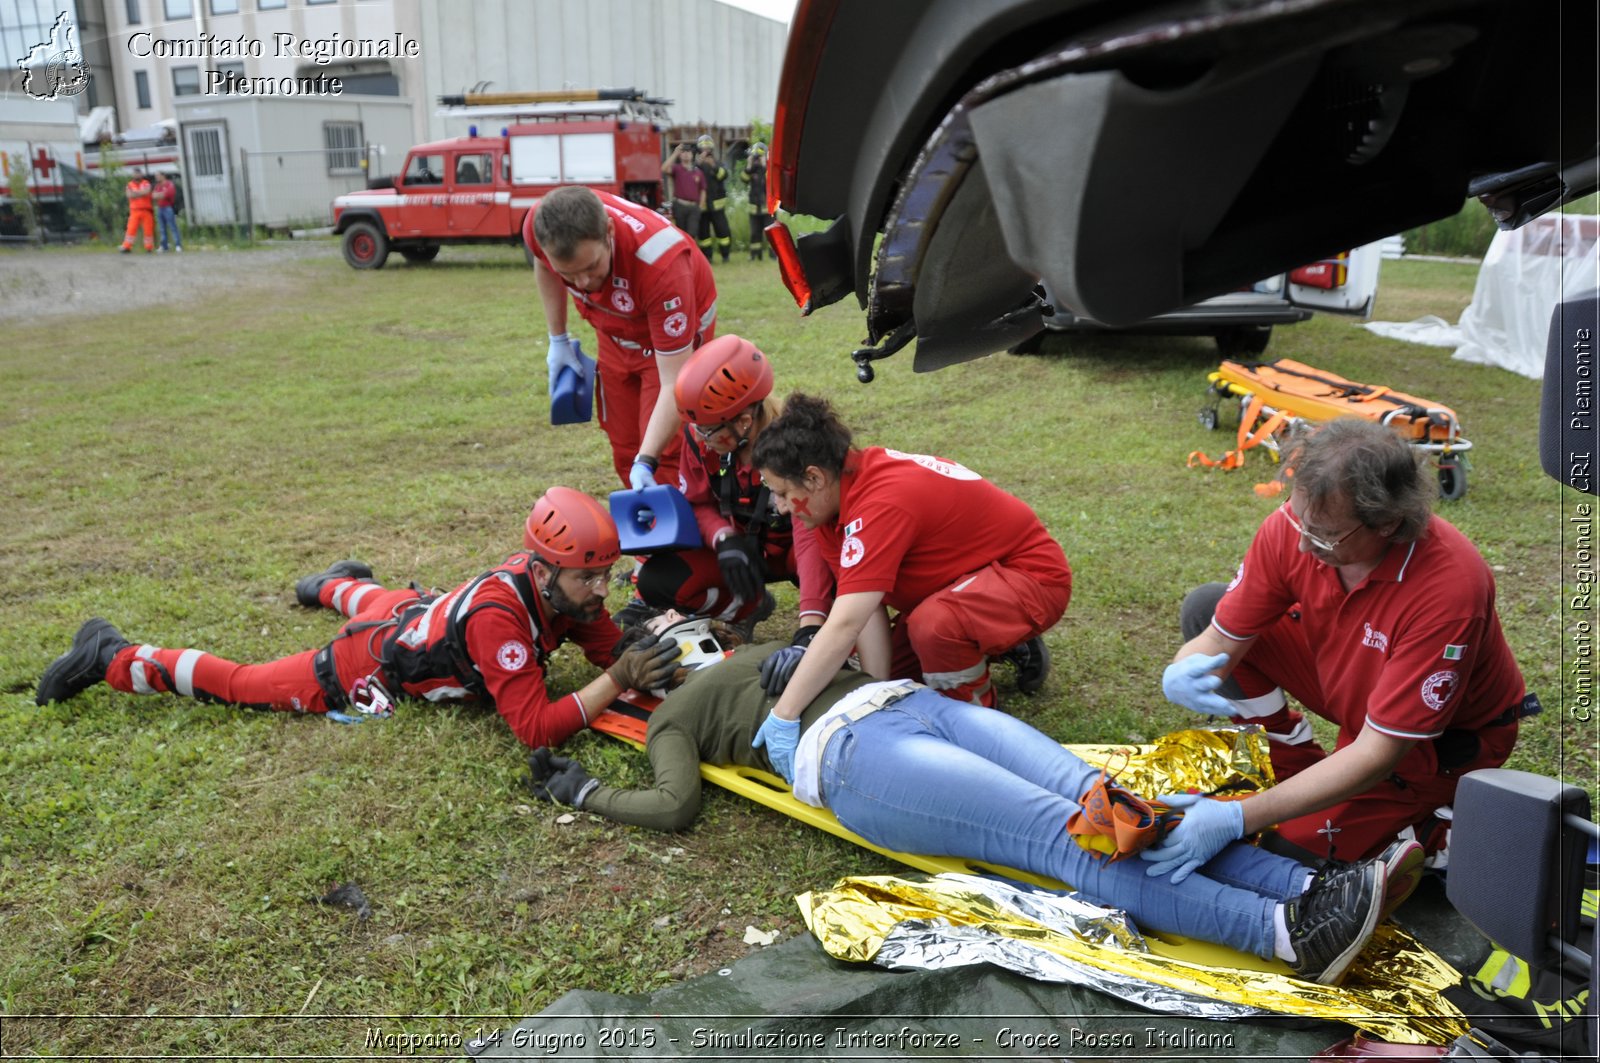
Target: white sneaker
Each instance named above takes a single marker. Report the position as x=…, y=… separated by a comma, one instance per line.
x=179, y=249
x=161, y=250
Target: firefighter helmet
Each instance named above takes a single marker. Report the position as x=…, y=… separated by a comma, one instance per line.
x=569, y=529
x=758, y=148
x=722, y=379
x=705, y=143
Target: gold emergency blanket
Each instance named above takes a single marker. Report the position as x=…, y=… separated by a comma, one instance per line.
x=1392, y=991
x=1231, y=759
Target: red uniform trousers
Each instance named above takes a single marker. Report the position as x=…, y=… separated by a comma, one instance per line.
x=627, y=386
x=288, y=684
x=946, y=639
x=1359, y=828
x=690, y=581
x=146, y=218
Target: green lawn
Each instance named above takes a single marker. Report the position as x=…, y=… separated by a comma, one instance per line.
x=176, y=471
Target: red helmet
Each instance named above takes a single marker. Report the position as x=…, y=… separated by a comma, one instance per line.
x=721, y=379
x=569, y=529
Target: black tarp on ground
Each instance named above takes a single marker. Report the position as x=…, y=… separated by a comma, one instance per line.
x=794, y=1001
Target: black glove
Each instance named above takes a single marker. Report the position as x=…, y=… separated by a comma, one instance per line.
x=740, y=562
x=803, y=636
x=778, y=669
x=561, y=780
x=646, y=665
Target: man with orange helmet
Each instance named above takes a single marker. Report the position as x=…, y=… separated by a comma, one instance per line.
x=723, y=394
x=637, y=279
x=489, y=637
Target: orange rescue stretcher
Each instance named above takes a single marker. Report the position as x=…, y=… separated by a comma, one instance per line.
x=1273, y=396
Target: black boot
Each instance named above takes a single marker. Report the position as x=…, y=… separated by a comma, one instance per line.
x=83, y=665
x=1032, y=659
x=308, y=588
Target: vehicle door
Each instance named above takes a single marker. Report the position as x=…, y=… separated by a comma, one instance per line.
x=475, y=207
x=424, y=203
x=1346, y=283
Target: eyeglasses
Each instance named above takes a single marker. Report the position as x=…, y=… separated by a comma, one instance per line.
x=597, y=583
x=707, y=431
x=1327, y=546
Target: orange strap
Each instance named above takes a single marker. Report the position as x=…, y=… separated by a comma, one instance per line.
x=1247, y=438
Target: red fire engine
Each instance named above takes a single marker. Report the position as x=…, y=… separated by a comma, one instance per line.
x=477, y=189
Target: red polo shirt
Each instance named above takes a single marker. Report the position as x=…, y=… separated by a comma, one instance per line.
x=1416, y=648
x=660, y=293
x=910, y=525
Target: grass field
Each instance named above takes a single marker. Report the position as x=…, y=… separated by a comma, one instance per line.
x=177, y=470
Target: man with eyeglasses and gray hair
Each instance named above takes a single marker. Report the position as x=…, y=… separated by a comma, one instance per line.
x=1370, y=611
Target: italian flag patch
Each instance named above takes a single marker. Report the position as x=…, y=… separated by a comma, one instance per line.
x=1453, y=653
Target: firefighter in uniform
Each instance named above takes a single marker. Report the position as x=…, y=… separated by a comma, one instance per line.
x=488, y=638
x=754, y=175
x=141, y=212
x=636, y=278
x=969, y=569
x=724, y=398
x=714, y=219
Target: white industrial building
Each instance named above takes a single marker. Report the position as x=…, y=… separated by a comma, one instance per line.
x=718, y=64
x=264, y=139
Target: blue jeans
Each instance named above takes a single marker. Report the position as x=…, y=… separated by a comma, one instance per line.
x=931, y=775
x=167, y=221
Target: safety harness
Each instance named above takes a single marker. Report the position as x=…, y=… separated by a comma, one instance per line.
x=408, y=655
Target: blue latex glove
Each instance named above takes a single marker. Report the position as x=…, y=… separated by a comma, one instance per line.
x=778, y=669
x=641, y=475
x=563, y=353
x=780, y=737
x=1192, y=684
x=1207, y=827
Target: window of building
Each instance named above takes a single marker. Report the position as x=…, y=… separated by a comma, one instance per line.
x=133, y=12
x=271, y=5
x=178, y=8
x=186, y=81
x=224, y=7
x=310, y=2
x=141, y=88
x=228, y=72
x=343, y=141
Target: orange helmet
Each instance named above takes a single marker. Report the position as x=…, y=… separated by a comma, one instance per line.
x=721, y=379
x=569, y=529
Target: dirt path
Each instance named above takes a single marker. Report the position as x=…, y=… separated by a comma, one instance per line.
x=38, y=285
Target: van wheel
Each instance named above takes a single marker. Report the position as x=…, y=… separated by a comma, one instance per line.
x=419, y=255
x=1242, y=340
x=365, y=246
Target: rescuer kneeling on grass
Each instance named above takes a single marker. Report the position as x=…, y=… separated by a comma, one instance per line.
x=1373, y=613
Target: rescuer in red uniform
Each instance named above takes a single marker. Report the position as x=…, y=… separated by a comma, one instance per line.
x=649, y=294
x=724, y=397
x=489, y=637
x=969, y=569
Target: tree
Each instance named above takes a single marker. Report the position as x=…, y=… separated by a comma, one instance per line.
x=22, y=205
x=106, y=212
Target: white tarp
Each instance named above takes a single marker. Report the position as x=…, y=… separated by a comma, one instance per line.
x=1525, y=274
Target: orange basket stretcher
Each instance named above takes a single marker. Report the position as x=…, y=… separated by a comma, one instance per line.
x=1274, y=395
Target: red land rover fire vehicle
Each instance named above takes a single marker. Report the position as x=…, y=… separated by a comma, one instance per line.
x=477, y=189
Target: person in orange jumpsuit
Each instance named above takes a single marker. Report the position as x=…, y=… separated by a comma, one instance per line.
x=141, y=211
